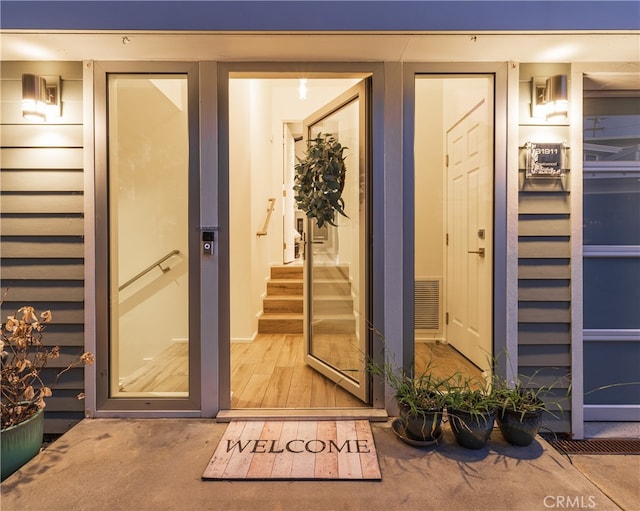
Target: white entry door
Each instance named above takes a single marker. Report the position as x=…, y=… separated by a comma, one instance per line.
x=470, y=234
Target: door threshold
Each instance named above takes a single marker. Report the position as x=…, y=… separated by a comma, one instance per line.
x=285, y=414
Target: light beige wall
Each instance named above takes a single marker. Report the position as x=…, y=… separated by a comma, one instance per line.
x=461, y=95
x=240, y=236
x=262, y=188
x=429, y=175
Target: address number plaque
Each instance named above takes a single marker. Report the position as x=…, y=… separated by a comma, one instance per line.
x=545, y=160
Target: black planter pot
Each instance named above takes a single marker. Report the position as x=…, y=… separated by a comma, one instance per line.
x=471, y=430
x=519, y=429
x=425, y=425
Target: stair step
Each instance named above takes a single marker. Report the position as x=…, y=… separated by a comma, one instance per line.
x=280, y=323
x=324, y=287
x=340, y=272
x=284, y=287
x=334, y=324
x=293, y=324
x=286, y=272
x=333, y=305
x=282, y=304
x=321, y=287
x=286, y=304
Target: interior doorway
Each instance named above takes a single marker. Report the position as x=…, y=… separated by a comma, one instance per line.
x=454, y=224
x=283, y=307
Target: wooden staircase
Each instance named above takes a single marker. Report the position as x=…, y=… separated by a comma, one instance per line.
x=283, y=303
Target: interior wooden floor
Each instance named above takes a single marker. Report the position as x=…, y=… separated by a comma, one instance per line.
x=270, y=372
x=443, y=360
x=168, y=372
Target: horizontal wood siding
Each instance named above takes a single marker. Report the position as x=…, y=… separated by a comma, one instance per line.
x=544, y=264
x=42, y=232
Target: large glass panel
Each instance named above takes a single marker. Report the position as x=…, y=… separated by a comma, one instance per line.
x=611, y=292
x=612, y=129
x=611, y=208
x=611, y=218
x=453, y=225
x=611, y=387
x=337, y=268
x=148, y=235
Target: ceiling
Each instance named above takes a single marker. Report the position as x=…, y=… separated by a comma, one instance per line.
x=347, y=47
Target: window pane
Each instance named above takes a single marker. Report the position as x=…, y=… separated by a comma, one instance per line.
x=148, y=222
x=611, y=363
x=612, y=129
x=611, y=292
x=337, y=253
x=611, y=209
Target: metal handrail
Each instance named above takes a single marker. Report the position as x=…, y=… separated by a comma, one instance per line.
x=149, y=268
x=272, y=204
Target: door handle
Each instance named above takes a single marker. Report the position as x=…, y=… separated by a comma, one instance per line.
x=303, y=245
x=480, y=252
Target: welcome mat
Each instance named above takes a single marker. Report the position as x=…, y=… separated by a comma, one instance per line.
x=288, y=450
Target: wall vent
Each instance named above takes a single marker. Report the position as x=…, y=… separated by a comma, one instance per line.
x=428, y=304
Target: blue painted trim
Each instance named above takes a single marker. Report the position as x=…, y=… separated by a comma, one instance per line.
x=325, y=15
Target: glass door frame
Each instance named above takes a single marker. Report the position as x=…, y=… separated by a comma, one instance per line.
x=359, y=386
x=296, y=70
x=145, y=406
x=505, y=215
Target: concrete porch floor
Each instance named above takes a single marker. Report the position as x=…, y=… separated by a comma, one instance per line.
x=156, y=464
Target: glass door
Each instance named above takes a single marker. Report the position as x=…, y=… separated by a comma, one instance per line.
x=336, y=265
x=149, y=359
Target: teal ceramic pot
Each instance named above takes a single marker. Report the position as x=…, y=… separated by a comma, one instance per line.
x=20, y=443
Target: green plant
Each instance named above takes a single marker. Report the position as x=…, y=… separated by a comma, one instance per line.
x=465, y=394
x=525, y=394
x=24, y=358
x=320, y=179
x=416, y=393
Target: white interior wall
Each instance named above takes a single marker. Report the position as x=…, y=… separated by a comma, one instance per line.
x=429, y=178
x=240, y=236
x=461, y=94
x=261, y=142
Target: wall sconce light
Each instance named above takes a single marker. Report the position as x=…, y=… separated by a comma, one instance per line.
x=549, y=98
x=40, y=97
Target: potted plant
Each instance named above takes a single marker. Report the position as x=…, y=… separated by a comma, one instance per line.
x=320, y=179
x=520, y=408
x=420, y=399
x=24, y=358
x=471, y=411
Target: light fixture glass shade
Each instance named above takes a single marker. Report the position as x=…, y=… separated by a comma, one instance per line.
x=556, y=97
x=33, y=94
